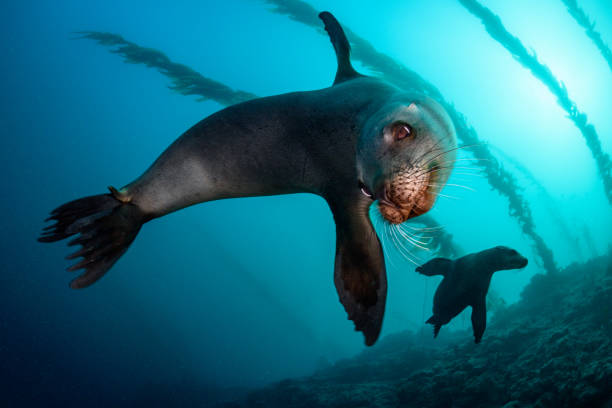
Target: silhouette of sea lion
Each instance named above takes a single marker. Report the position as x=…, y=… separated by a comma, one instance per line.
x=466, y=283
x=359, y=140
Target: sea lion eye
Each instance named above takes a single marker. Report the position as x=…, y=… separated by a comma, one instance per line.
x=403, y=131
x=364, y=190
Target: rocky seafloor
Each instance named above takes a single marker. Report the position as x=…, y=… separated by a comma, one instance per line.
x=550, y=349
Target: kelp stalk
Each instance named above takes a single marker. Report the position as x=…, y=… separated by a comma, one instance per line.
x=393, y=71
x=589, y=27
x=185, y=80
x=529, y=60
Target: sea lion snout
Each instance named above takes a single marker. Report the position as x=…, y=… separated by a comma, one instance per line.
x=507, y=258
x=408, y=195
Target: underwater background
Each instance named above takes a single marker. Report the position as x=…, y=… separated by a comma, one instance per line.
x=232, y=295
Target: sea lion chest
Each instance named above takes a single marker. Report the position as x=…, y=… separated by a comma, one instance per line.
x=460, y=288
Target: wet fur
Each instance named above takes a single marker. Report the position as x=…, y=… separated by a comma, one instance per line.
x=283, y=144
x=466, y=283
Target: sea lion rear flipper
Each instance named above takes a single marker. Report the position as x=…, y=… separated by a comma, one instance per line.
x=479, y=319
x=106, y=225
x=342, y=47
x=433, y=320
x=359, y=272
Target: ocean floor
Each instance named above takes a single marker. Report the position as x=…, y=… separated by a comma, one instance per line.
x=550, y=349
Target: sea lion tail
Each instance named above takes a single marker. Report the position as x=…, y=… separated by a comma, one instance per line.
x=106, y=225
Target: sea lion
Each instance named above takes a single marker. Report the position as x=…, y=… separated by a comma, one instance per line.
x=352, y=143
x=466, y=283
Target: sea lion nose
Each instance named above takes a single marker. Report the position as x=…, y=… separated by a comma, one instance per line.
x=382, y=195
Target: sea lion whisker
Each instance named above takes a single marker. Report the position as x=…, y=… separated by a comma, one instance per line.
x=379, y=224
x=451, y=185
x=472, y=158
x=389, y=231
x=466, y=168
x=418, y=234
x=448, y=196
x=445, y=161
x=388, y=252
x=435, y=147
x=456, y=173
x=413, y=239
x=444, y=168
x=453, y=149
x=407, y=253
x=398, y=246
x=411, y=233
x=422, y=228
x=466, y=159
x=418, y=176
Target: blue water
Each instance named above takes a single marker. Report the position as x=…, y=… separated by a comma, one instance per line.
x=239, y=293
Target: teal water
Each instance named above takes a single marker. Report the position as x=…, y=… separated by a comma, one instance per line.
x=239, y=293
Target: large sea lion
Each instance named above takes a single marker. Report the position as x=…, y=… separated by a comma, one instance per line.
x=466, y=283
x=352, y=143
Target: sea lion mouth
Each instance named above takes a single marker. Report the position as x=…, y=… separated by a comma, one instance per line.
x=410, y=193
x=407, y=196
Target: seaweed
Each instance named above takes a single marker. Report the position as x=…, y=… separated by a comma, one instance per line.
x=393, y=71
x=189, y=82
x=589, y=27
x=551, y=206
x=185, y=80
x=542, y=72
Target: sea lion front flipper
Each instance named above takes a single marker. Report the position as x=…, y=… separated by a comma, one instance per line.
x=359, y=272
x=479, y=319
x=342, y=48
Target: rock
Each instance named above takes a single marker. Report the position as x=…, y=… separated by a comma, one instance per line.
x=550, y=349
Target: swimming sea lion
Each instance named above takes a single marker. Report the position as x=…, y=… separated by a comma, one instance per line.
x=466, y=283
x=352, y=143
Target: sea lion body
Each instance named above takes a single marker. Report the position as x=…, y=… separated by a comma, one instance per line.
x=466, y=283
x=282, y=144
x=357, y=141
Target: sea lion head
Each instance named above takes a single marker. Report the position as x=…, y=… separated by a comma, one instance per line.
x=404, y=156
x=504, y=258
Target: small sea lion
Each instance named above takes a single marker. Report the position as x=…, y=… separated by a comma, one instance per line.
x=466, y=283
x=357, y=141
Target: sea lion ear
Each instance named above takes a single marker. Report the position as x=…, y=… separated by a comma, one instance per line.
x=359, y=273
x=345, y=70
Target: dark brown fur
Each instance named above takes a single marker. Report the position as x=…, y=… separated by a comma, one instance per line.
x=466, y=283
